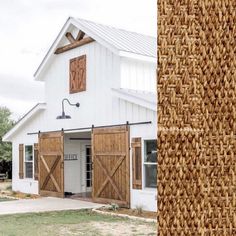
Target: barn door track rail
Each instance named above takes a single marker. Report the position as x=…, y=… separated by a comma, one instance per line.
x=92, y=127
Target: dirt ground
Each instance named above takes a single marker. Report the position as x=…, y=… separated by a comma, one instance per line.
x=108, y=229
x=132, y=212
x=73, y=223
x=6, y=190
x=5, y=185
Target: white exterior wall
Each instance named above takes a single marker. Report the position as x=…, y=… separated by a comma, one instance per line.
x=133, y=113
x=35, y=123
x=141, y=76
x=104, y=71
x=95, y=103
x=138, y=75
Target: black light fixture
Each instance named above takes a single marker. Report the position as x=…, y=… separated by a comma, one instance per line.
x=63, y=115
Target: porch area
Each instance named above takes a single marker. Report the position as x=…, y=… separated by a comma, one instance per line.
x=78, y=166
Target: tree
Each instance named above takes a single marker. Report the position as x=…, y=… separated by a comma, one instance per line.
x=5, y=125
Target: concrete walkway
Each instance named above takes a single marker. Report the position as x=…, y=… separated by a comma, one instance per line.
x=44, y=205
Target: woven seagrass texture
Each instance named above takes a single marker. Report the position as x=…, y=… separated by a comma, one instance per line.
x=196, y=117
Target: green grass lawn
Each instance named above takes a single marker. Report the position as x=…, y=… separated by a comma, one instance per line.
x=71, y=223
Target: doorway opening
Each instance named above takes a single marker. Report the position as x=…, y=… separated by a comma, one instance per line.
x=78, y=166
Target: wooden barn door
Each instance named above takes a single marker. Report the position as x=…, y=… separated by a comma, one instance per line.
x=111, y=165
x=51, y=164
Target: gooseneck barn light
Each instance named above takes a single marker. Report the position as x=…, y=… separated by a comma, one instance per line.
x=63, y=115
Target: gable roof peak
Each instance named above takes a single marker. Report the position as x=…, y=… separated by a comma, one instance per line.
x=121, y=42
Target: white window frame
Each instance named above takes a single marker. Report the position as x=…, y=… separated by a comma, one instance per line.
x=144, y=140
x=29, y=161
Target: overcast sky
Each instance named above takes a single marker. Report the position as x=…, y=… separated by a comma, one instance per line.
x=28, y=28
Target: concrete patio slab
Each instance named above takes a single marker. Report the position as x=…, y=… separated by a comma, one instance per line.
x=44, y=204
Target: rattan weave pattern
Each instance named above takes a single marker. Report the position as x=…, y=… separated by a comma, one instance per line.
x=196, y=117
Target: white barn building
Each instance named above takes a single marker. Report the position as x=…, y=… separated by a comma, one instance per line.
x=107, y=149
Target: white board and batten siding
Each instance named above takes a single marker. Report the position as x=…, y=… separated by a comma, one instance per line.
x=95, y=103
x=35, y=123
x=138, y=75
x=98, y=106
x=146, y=197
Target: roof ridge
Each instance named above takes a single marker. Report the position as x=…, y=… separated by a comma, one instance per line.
x=116, y=28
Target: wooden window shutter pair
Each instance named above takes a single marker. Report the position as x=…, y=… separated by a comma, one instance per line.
x=21, y=161
x=137, y=162
x=78, y=74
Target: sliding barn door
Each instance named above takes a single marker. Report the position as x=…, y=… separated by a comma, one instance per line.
x=51, y=164
x=111, y=165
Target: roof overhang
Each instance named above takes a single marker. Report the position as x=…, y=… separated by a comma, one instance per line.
x=144, y=100
x=73, y=22
x=35, y=110
x=138, y=57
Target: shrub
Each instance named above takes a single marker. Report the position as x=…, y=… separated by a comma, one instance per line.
x=113, y=207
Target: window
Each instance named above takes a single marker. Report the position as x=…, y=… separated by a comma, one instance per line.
x=150, y=163
x=78, y=74
x=29, y=159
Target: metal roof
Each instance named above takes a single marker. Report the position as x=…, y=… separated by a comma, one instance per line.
x=119, y=41
x=123, y=40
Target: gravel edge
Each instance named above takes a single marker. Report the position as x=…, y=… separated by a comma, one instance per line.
x=125, y=216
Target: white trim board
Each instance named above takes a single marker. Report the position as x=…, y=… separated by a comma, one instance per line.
x=136, y=99
x=37, y=108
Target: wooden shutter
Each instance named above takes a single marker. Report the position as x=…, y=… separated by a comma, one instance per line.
x=137, y=163
x=21, y=161
x=36, y=170
x=78, y=74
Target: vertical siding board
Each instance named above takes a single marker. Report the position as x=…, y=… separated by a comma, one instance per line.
x=102, y=73
x=137, y=75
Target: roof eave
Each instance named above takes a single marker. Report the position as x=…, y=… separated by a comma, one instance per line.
x=8, y=136
x=138, y=57
x=136, y=100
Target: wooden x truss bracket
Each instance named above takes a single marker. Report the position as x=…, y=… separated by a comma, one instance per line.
x=74, y=42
